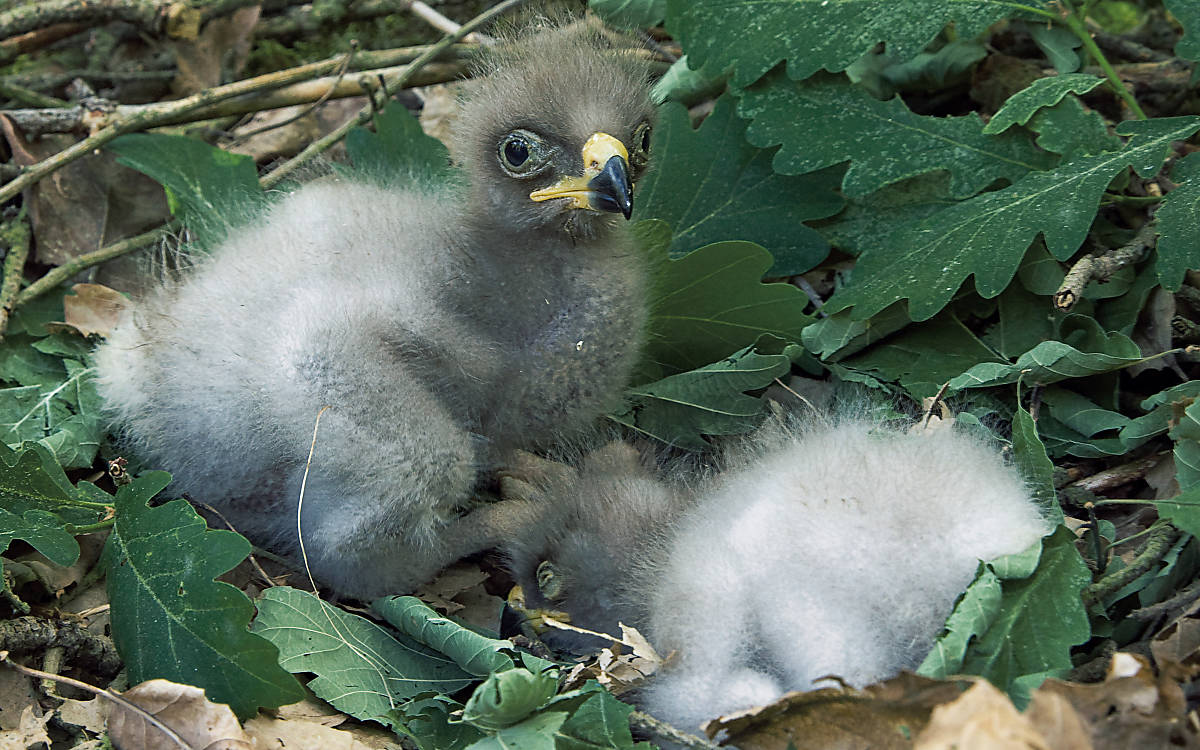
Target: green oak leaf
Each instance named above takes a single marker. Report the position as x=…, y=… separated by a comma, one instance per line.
x=1044, y=92
x=987, y=236
x=361, y=669
x=399, y=149
x=637, y=13
x=1178, y=218
x=37, y=504
x=839, y=336
x=1161, y=410
x=170, y=619
x=474, y=653
x=924, y=356
x=1188, y=13
x=866, y=222
x=1183, y=511
x=709, y=400
x=1068, y=129
x=1186, y=434
x=825, y=121
x=212, y=190
x=815, y=34
x=1052, y=361
x=1031, y=460
x=1038, y=620
x=712, y=302
x=711, y=185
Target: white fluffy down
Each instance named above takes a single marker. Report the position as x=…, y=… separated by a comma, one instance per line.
x=830, y=549
x=839, y=551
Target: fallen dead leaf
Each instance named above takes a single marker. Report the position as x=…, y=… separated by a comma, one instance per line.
x=982, y=718
x=296, y=734
x=92, y=714
x=87, y=204
x=184, y=708
x=93, y=308
x=30, y=732
x=16, y=694
x=1132, y=708
x=311, y=709
x=879, y=717
x=217, y=54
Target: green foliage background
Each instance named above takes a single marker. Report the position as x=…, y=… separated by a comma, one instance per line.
x=950, y=235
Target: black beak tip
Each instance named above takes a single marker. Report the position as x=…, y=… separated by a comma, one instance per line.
x=612, y=189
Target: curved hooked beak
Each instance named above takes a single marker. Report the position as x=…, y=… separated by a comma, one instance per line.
x=604, y=184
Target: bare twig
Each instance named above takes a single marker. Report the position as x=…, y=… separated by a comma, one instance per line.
x=660, y=728
x=1118, y=475
x=15, y=236
x=114, y=697
x=441, y=23
x=118, y=125
x=390, y=86
x=1162, y=537
x=91, y=651
x=61, y=274
x=1100, y=266
x=96, y=113
x=35, y=40
x=150, y=16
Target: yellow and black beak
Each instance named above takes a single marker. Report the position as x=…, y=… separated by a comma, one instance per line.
x=604, y=184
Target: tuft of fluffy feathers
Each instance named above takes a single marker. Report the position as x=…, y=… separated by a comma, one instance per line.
x=830, y=549
x=444, y=329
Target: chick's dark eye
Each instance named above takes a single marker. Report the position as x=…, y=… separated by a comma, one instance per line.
x=646, y=140
x=516, y=152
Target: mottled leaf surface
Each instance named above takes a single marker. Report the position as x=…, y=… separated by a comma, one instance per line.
x=1038, y=621
x=987, y=235
x=814, y=34
x=711, y=185
x=710, y=400
x=1178, y=222
x=361, y=669
x=161, y=566
x=1044, y=92
x=825, y=121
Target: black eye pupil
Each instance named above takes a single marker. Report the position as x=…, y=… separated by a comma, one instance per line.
x=646, y=140
x=516, y=152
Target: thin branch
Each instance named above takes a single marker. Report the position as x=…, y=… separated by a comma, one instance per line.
x=15, y=236
x=173, y=18
x=1076, y=25
x=390, y=87
x=1100, y=266
x=116, y=125
x=1118, y=475
x=61, y=274
x=94, y=113
x=659, y=728
x=441, y=23
x=1157, y=546
x=114, y=697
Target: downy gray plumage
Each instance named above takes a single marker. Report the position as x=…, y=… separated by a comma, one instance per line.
x=443, y=328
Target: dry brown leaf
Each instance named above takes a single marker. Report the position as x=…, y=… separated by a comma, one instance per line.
x=30, y=732
x=1132, y=708
x=982, y=718
x=16, y=694
x=291, y=137
x=1053, y=716
x=92, y=714
x=184, y=708
x=296, y=734
x=879, y=717
x=312, y=709
x=87, y=204
x=439, y=110
x=93, y=308
x=217, y=54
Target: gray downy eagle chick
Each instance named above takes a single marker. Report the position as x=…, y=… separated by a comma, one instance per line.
x=442, y=328
x=821, y=549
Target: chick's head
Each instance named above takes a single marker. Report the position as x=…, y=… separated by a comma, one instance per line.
x=556, y=133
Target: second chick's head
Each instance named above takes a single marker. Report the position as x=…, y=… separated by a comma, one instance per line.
x=556, y=133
